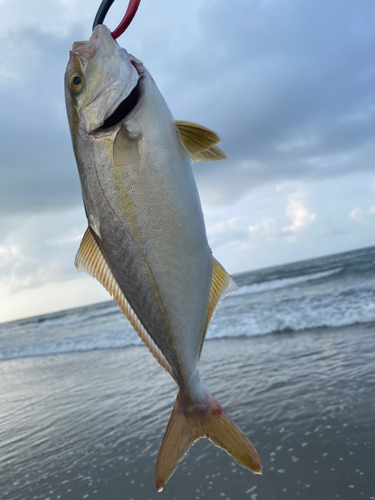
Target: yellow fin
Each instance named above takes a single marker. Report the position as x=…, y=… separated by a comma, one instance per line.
x=199, y=141
x=221, y=285
x=214, y=153
x=90, y=258
x=187, y=425
x=125, y=150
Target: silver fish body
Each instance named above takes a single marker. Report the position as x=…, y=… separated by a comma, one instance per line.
x=145, y=219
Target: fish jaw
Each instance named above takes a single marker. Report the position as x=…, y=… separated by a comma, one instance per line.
x=108, y=78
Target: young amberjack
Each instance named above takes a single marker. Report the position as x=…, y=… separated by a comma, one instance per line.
x=146, y=240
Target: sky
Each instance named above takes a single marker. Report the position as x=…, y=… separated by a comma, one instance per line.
x=288, y=85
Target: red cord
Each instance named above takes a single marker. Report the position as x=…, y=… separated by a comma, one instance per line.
x=127, y=19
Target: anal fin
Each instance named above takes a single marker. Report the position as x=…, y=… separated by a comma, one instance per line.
x=221, y=285
x=91, y=258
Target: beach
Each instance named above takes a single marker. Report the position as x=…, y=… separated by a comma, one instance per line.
x=89, y=425
x=82, y=423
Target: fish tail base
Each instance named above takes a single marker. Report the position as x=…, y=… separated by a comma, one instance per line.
x=188, y=424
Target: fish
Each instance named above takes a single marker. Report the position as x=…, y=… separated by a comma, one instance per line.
x=146, y=241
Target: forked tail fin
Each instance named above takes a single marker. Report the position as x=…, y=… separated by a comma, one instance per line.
x=187, y=425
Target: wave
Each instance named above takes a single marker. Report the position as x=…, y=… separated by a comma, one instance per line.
x=284, y=282
x=294, y=299
x=299, y=314
x=68, y=345
x=65, y=318
x=304, y=314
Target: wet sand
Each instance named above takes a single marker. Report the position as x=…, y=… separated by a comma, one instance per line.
x=89, y=424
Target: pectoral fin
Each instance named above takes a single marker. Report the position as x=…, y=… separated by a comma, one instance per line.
x=91, y=258
x=125, y=150
x=200, y=142
x=221, y=285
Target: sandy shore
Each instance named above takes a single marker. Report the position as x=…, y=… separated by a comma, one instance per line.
x=89, y=425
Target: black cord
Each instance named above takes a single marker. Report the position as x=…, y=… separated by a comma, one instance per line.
x=102, y=12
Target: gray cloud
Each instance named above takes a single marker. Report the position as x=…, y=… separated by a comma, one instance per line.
x=284, y=83
x=270, y=74
x=38, y=249
x=37, y=164
x=289, y=85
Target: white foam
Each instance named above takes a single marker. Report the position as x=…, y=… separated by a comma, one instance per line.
x=281, y=283
x=72, y=344
x=286, y=306
x=295, y=313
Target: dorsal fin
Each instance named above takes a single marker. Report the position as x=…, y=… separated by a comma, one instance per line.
x=200, y=142
x=214, y=153
x=91, y=258
x=221, y=285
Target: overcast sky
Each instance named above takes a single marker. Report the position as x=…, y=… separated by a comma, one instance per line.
x=288, y=85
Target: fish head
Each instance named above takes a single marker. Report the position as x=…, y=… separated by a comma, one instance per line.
x=100, y=75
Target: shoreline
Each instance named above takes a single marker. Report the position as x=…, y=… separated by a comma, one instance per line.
x=287, y=332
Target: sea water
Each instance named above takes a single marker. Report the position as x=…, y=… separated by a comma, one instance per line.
x=337, y=290
x=291, y=356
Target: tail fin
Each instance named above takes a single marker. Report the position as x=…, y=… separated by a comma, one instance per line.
x=187, y=425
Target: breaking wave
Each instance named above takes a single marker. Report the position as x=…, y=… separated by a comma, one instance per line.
x=332, y=292
x=296, y=315
x=285, y=282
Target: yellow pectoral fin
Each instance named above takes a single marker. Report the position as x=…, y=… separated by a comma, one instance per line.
x=221, y=285
x=90, y=258
x=199, y=142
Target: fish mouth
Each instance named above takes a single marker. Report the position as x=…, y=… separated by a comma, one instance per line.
x=124, y=109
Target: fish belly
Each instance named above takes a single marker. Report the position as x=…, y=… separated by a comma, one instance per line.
x=171, y=235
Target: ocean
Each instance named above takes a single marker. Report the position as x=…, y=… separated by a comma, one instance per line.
x=291, y=357
x=333, y=291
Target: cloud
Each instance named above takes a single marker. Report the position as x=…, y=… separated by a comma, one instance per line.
x=267, y=229
x=356, y=214
x=284, y=98
x=291, y=92
x=39, y=249
x=288, y=225
x=296, y=211
x=288, y=103
x=362, y=216
x=225, y=231
x=49, y=297
x=37, y=165
x=298, y=214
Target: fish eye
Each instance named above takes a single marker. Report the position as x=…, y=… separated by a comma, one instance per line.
x=76, y=82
